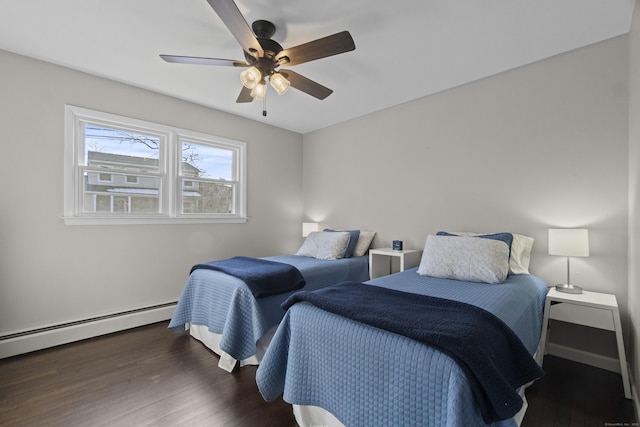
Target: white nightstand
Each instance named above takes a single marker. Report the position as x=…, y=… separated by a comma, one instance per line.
x=381, y=260
x=589, y=309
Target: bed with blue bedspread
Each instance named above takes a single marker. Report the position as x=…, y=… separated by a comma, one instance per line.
x=358, y=374
x=221, y=311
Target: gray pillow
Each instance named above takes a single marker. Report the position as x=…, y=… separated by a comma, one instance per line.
x=364, y=241
x=325, y=245
x=465, y=258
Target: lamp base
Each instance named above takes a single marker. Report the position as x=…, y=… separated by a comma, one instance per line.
x=569, y=289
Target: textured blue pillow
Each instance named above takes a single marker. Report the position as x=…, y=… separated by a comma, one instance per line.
x=504, y=237
x=353, y=241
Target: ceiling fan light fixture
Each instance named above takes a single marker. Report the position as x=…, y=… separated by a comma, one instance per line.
x=263, y=56
x=279, y=83
x=250, y=77
x=259, y=91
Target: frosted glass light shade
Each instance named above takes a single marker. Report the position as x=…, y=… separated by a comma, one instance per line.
x=279, y=83
x=250, y=77
x=569, y=241
x=259, y=91
x=309, y=227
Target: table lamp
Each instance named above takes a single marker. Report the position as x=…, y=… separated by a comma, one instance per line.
x=569, y=242
x=309, y=227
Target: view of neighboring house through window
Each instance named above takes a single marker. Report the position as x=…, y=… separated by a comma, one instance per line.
x=132, y=183
x=124, y=168
x=207, y=178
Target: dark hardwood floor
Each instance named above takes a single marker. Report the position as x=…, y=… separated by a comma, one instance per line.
x=149, y=376
x=573, y=394
x=144, y=376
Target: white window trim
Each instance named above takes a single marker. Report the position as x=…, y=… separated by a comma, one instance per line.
x=75, y=116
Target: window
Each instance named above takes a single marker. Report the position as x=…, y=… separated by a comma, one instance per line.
x=126, y=171
x=106, y=177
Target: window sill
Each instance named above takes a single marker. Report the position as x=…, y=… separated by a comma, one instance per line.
x=151, y=221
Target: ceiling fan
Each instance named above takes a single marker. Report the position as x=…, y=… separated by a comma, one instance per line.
x=264, y=56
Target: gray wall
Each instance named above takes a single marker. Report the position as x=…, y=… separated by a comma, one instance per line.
x=634, y=196
x=541, y=146
x=51, y=273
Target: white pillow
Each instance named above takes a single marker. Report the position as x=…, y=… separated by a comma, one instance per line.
x=520, y=254
x=465, y=258
x=325, y=245
x=520, y=251
x=364, y=241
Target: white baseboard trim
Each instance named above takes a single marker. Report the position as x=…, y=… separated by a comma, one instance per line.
x=581, y=356
x=25, y=342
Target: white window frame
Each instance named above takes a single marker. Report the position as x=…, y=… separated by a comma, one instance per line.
x=170, y=171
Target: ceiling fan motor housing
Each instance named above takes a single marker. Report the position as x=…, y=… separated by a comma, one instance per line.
x=264, y=30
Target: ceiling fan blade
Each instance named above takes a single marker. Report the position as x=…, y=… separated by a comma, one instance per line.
x=245, y=95
x=320, y=48
x=203, y=61
x=235, y=22
x=305, y=85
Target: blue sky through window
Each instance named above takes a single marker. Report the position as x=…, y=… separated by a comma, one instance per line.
x=213, y=162
x=116, y=141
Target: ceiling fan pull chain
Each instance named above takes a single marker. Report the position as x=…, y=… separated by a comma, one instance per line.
x=264, y=105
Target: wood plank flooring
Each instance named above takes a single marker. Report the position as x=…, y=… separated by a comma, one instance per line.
x=576, y=395
x=144, y=376
x=149, y=376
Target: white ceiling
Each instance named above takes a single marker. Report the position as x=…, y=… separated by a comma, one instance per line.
x=404, y=49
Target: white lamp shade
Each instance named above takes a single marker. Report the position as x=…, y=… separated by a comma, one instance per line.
x=569, y=241
x=309, y=227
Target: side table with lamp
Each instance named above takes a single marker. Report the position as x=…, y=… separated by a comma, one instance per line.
x=570, y=303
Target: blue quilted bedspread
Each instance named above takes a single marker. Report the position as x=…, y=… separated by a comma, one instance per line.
x=263, y=277
x=364, y=375
x=490, y=353
x=226, y=306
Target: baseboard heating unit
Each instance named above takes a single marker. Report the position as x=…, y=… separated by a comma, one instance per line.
x=14, y=343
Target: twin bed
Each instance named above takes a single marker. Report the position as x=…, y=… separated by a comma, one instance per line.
x=363, y=375
x=337, y=369
x=220, y=310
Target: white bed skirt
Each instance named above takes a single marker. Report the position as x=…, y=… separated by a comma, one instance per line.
x=308, y=416
x=314, y=416
x=227, y=362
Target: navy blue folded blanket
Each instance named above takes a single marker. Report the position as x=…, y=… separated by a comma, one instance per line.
x=492, y=356
x=263, y=277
